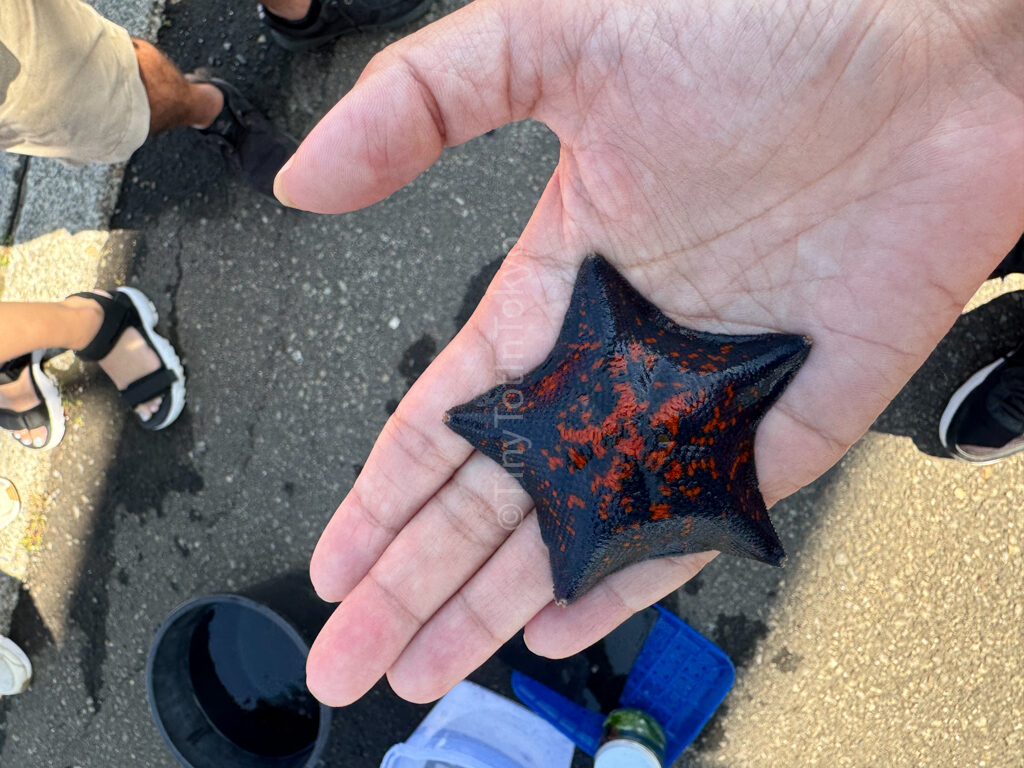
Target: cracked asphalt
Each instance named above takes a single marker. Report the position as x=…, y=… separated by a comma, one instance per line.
x=892, y=637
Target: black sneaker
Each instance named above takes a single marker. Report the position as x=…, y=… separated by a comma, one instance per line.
x=328, y=19
x=1013, y=262
x=984, y=421
x=253, y=146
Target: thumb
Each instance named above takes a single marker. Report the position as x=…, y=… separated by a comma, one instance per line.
x=447, y=83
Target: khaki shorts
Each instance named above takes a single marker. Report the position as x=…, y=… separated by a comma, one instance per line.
x=69, y=83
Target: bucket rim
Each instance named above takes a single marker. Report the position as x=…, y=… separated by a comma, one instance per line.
x=274, y=617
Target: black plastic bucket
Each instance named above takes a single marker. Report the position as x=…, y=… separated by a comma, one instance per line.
x=226, y=685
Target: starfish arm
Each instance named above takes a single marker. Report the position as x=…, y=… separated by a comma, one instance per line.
x=635, y=437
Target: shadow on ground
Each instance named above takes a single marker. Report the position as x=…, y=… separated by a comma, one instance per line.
x=977, y=338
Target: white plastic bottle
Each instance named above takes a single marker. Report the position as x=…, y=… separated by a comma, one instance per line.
x=631, y=739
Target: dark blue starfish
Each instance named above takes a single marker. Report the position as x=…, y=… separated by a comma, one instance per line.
x=635, y=438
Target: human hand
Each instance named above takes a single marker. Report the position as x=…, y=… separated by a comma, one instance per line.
x=851, y=173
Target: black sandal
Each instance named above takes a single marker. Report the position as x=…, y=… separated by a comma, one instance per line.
x=129, y=308
x=49, y=413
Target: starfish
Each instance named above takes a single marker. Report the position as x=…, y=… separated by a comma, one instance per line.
x=635, y=437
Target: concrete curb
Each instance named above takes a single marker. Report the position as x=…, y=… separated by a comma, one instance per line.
x=39, y=195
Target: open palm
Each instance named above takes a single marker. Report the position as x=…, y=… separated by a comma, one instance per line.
x=846, y=171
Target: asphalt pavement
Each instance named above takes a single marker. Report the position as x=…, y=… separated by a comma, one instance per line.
x=892, y=637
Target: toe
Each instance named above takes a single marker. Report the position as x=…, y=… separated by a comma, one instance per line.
x=31, y=437
x=148, y=410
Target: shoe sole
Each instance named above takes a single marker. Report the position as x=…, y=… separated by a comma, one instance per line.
x=164, y=350
x=19, y=663
x=50, y=396
x=954, y=405
x=301, y=46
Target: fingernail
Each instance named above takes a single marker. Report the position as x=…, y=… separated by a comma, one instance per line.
x=279, y=192
x=38, y=442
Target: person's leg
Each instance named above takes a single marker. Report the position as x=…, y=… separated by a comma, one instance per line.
x=105, y=93
x=174, y=102
x=252, y=145
x=292, y=10
x=68, y=324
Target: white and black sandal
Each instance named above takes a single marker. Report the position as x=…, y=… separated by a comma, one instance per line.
x=129, y=308
x=49, y=413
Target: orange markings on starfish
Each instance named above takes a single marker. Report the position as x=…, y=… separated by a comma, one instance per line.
x=656, y=459
x=742, y=458
x=590, y=434
x=612, y=479
x=660, y=512
x=574, y=501
x=577, y=458
x=716, y=423
x=631, y=446
x=730, y=393
x=675, y=471
x=677, y=406
x=550, y=384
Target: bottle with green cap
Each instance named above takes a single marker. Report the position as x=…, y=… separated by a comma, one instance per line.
x=631, y=738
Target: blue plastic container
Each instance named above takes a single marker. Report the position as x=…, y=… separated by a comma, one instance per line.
x=472, y=727
x=680, y=677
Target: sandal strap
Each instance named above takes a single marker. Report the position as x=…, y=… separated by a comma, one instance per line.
x=158, y=417
x=11, y=370
x=37, y=416
x=119, y=314
x=149, y=386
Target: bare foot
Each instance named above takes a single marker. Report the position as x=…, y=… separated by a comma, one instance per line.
x=129, y=360
x=20, y=396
